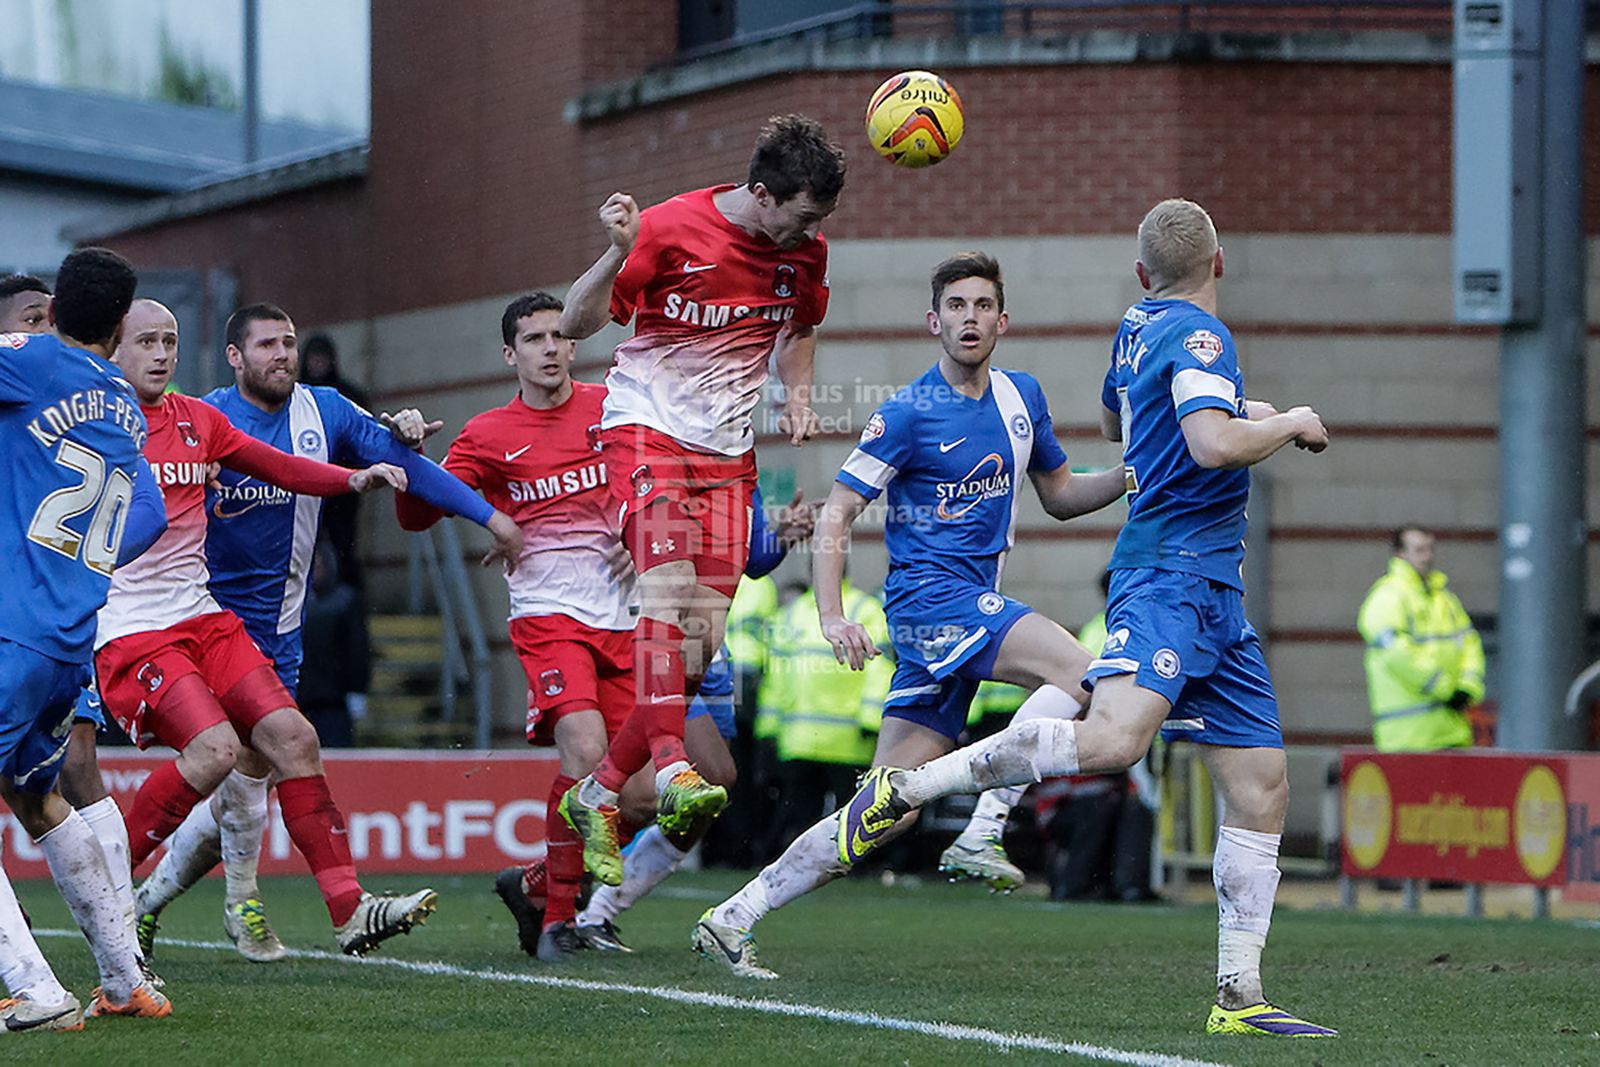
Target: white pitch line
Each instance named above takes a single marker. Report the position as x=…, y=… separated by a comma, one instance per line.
x=761, y=1005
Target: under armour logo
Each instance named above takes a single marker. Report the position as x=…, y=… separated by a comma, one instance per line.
x=666, y=545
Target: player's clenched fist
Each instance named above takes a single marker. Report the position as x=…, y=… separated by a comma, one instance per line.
x=619, y=217
x=1313, y=436
x=377, y=476
x=850, y=640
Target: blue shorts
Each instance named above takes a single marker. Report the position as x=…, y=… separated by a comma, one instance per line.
x=716, y=697
x=1186, y=637
x=286, y=652
x=37, y=717
x=88, y=708
x=945, y=637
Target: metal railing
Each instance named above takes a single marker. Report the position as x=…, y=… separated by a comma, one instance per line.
x=437, y=554
x=1046, y=18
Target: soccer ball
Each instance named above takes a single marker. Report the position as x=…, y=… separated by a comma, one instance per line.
x=914, y=119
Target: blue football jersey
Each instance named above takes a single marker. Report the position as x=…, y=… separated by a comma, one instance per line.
x=1171, y=358
x=74, y=438
x=259, y=538
x=951, y=465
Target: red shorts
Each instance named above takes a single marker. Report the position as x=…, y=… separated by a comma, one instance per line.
x=572, y=666
x=681, y=504
x=137, y=673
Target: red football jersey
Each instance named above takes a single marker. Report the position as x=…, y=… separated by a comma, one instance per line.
x=707, y=300
x=167, y=584
x=543, y=468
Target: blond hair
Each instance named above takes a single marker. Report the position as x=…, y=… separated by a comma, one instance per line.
x=1177, y=242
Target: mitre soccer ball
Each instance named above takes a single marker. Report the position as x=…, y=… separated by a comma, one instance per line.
x=914, y=119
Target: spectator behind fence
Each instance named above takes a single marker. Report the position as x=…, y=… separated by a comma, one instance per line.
x=825, y=715
x=1424, y=660
x=338, y=664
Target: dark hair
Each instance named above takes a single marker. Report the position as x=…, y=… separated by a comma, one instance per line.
x=968, y=265
x=94, y=289
x=239, y=322
x=320, y=344
x=521, y=308
x=793, y=153
x=1397, y=540
x=12, y=284
x=1105, y=582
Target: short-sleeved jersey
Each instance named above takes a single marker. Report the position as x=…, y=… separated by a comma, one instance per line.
x=707, y=300
x=543, y=468
x=951, y=465
x=1171, y=358
x=170, y=582
x=72, y=433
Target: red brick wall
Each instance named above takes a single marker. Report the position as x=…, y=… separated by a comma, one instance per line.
x=305, y=251
x=479, y=186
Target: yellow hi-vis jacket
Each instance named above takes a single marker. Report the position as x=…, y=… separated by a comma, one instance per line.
x=825, y=712
x=1421, y=650
x=750, y=615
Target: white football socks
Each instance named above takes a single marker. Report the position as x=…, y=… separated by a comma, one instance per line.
x=1244, y=869
x=78, y=867
x=193, y=849
x=994, y=807
x=649, y=861
x=594, y=795
x=1020, y=754
x=810, y=863
x=105, y=819
x=241, y=817
x=664, y=775
x=988, y=820
x=22, y=965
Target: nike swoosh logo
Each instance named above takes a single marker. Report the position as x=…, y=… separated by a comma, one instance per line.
x=690, y=268
x=945, y=446
x=733, y=956
x=665, y=700
x=513, y=455
x=18, y=1028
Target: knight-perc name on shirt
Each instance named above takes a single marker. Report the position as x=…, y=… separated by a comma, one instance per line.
x=712, y=316
x=573, y=481
x=87, y=405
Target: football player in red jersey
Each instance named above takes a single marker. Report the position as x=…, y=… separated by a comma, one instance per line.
x=538, y=460
x=174, y=667
x=718, y=282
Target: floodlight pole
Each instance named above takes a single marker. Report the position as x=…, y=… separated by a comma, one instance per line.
x=251, y=110
x=1543, y=535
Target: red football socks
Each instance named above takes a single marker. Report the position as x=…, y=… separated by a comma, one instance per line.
x=317, y=829
x=563, y=861
x=160, y=807
x=654, y=731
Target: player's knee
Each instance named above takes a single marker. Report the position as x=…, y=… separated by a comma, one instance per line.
x=289, y=742
x=207, y=759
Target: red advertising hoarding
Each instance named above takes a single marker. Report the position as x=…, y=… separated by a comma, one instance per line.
x=1583, y=828
x=405, y=811
x=1465, y=816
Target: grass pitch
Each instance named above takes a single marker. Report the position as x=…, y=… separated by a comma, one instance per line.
x=1118, y=980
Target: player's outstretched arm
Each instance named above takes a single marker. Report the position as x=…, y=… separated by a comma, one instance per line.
x=1066, y=495
x=851, y=642
x=795, y=353
x=1219, y=440
x=245, y=454
x=147, y=515
x=588, y=303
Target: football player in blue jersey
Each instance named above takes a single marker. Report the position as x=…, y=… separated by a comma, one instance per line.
x=76, y=501
x=259, y=541
x=1179, y=654
x=951, y=450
